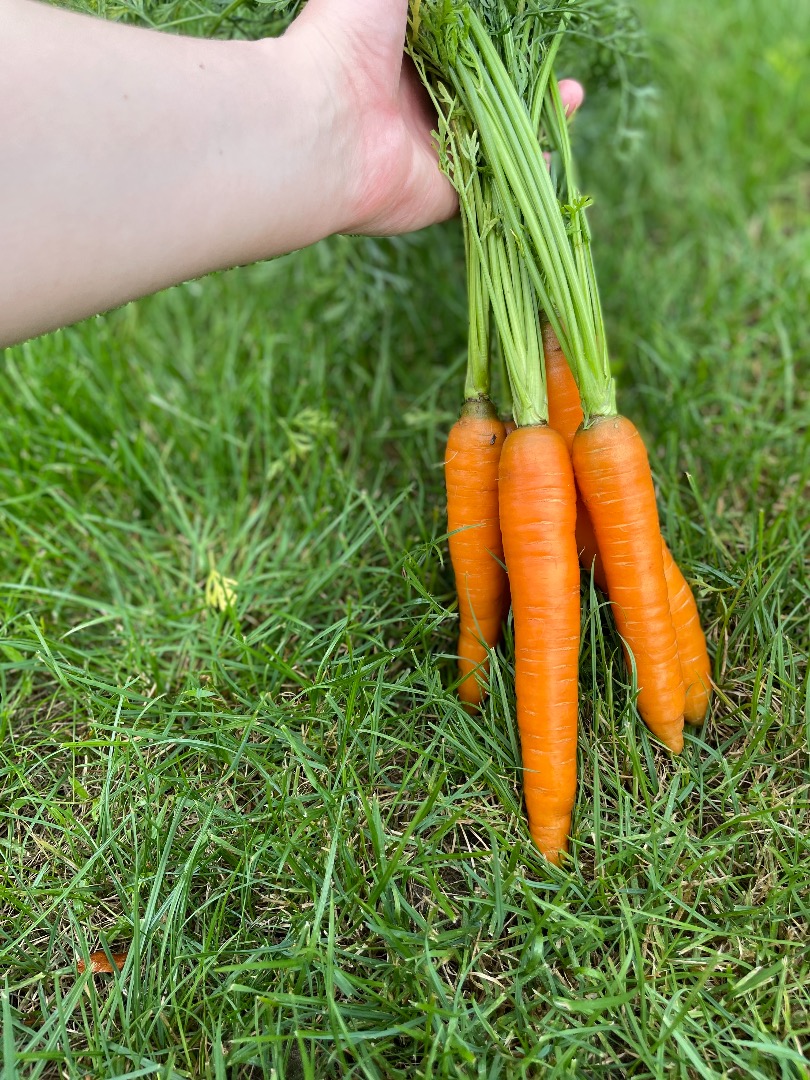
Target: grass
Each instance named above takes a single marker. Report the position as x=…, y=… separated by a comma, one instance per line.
x=317, y=860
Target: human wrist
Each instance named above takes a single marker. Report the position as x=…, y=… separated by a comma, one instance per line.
x=301, y=134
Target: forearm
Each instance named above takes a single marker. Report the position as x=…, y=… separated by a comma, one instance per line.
x=232, y=152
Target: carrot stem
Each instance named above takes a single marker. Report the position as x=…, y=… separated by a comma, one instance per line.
x=552, y=240
x=478, y=380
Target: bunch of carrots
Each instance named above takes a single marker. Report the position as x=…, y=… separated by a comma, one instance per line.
x=568, y=482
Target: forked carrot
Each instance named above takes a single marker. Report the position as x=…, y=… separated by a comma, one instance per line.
x=476, y=550
x=613, y=476
x=695, y=665
x=537, y=506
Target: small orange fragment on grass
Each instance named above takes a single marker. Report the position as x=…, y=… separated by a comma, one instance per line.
x=99, y=963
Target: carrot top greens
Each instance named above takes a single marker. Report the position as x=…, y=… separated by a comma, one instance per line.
x=488, y=67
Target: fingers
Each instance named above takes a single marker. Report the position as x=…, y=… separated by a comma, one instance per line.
x=572, y=95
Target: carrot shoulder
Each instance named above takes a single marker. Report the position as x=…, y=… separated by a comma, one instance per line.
x=613, y=475
x=537, y=505
x=476, y=549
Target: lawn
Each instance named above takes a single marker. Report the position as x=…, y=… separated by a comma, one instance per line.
x=316, y=860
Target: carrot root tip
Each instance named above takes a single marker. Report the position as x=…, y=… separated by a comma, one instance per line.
x=696, y=709
x=551, y=840
x=673, y=742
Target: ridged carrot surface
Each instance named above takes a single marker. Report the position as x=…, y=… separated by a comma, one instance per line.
x=537, y=507
x=613, y=476
x=476, y=552
x=696, y=668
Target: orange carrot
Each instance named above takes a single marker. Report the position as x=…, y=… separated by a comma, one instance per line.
x=613, y=475
x=564, y=407
x=537, y=506
x=509, y=426
x=565, y=415
x=476, y=549
x=695, y=665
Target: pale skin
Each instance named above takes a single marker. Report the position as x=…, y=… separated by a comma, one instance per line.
x=131, y=160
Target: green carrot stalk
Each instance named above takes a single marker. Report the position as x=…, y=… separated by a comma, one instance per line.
x=553, y=247
x=478, y=379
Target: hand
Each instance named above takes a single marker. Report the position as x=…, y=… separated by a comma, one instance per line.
x=394, y=184
x=200, y=155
